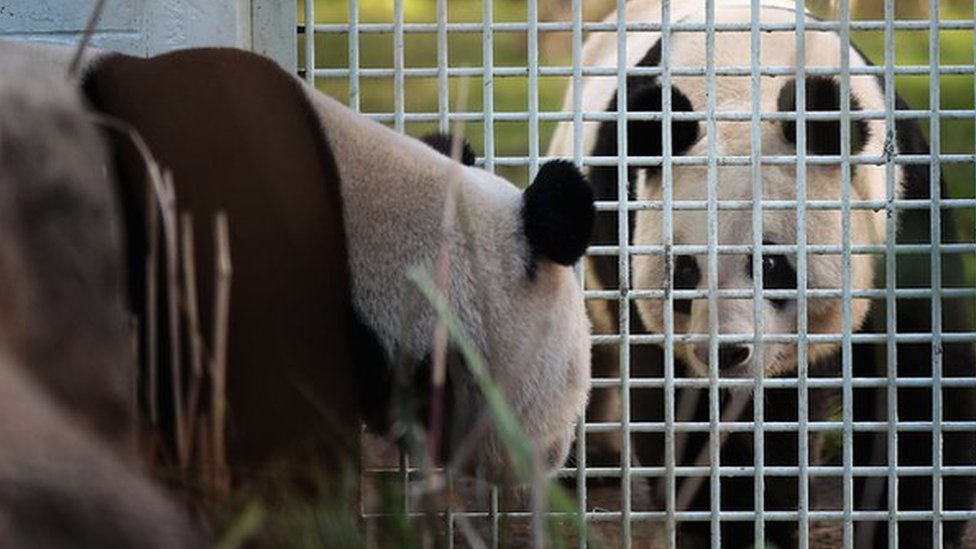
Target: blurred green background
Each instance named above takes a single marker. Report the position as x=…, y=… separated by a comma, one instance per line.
x=510, y=94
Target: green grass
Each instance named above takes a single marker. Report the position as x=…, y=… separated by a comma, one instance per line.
x=955, y=92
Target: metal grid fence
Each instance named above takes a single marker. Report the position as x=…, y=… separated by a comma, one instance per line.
x=401, y=67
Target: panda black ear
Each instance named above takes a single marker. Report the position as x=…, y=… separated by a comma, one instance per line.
x=644, y=136
x=557, y=213
x=442, y=143
x=823, y=136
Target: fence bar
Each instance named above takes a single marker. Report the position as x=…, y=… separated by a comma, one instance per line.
x=788, y=383
x=891, y=283
x=533, y=67
x=758, y=398
x=623, y=267
x=577, y=87
x=714, y=407
x=802, y=357
x=676, y=27
x=488, y=84
x=443, y=91
x=353, y=54
x=668, y=232
x=935, y=232
x=428, y=72
x=398, y=66
x=847, y=406
x=657, y=339
x=310, y=41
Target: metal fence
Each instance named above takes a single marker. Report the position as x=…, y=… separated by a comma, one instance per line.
x=401, y=66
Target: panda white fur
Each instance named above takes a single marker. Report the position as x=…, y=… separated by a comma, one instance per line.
x=511, y=282
x=868, y=137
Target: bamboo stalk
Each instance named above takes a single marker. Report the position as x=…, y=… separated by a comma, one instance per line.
x=154, y=192
x=152, y=302
x=191, y=311
x=171, y=241
x=223, y=274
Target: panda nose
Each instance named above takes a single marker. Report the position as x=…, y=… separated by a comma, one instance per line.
x=731, y=355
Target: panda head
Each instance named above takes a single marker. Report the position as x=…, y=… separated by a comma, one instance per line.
x=736, y=316
x=511, y=284
x=513, y=287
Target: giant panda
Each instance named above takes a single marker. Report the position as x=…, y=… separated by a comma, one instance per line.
x=328, y=214
x=823, y=182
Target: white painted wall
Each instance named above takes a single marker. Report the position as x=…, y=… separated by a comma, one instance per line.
x=150, y=27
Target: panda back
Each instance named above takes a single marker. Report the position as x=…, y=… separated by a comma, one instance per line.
x=239, y=137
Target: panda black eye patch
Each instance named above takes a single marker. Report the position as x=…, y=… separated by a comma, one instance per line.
x=823, y=136
x=778, y=274
x=686, y=273
x=686, y=277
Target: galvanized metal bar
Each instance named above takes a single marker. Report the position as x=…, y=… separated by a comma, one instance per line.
x=354, y=100
x=310, y=41
x=758, y=370
x=802, y=305
x=891, y=282
x=538, y=492
x=668, y=233
x=577, y=87
x=786, y=426
x=623, y=267
x=714, y=392
x=493, y=515
x=721, y=116
x=533, y=67
x=403, y=467
x=676, y=27
x=731, y=516
x=487, y=72
x=449, y=512
x=815, y=338
x=516, y=72
x=577, y=82
x=915, y=293
x=780, y=383
x=813, y=204
x=443, y=91
x=398, y=65
x=846, y=350
x=935, y=232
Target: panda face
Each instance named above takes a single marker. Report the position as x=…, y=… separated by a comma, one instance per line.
x=736, y=316
x=733, y=93
x=778, y=182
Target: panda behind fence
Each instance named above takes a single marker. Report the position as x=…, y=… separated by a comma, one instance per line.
x=690, y=137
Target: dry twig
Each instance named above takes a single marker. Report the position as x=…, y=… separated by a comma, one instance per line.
x=93, y=18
